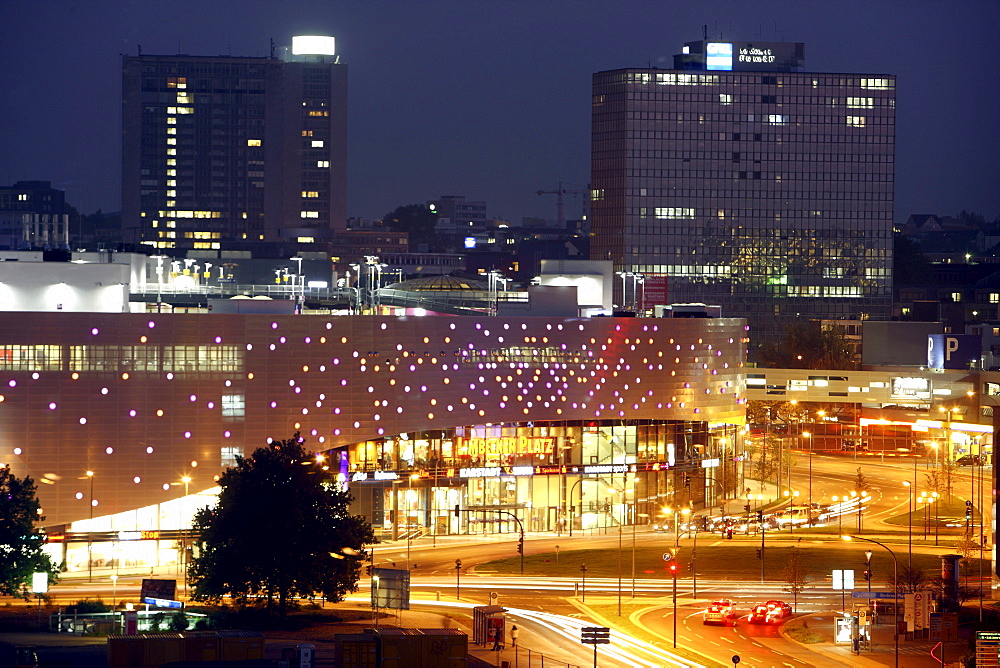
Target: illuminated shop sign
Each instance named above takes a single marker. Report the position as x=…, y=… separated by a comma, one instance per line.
x=508, y=445
x=709, y=463
x=386, y=475
x=480, y=472
x=138, y=535
x=607, y=468
x=718, y=56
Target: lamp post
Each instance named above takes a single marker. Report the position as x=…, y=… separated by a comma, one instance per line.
x=840, y=513
x=868, y=570
x=458, y=579
x=895, y=588
x=909, y=524
x=90, y=531
x=187, y=481
x=810, y=442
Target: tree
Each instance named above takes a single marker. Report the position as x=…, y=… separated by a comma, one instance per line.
x=794, y=576
x=861, y=481
x=21, y=542
x=417, y=221
x=809, y=345
x=281, y=529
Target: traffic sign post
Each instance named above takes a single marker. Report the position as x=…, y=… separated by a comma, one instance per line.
x=595, y=635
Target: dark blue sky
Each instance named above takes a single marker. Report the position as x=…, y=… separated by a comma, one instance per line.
x=491, y=100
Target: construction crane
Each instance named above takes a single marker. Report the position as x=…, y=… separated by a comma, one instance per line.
x=559, y=199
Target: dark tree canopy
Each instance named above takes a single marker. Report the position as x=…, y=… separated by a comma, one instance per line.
x=281, y=529
x=20, y=541
x=808, y=345
x=417, y=221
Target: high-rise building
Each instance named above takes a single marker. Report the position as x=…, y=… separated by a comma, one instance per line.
x=737, y=179
x=224, y=152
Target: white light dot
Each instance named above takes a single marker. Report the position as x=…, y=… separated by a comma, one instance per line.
x=137, y=480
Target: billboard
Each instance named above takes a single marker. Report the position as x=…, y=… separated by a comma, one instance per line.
x=953, y=351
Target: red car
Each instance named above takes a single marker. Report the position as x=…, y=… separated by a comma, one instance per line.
x=769, y=612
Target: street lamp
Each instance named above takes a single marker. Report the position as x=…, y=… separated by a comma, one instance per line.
x=895, y=588
x=810, y=441
x=90, y=531
x=909, y=524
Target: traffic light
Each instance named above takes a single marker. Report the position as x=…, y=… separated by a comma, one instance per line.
x=760, y=553
x=747, y=507
x=673, y=569
x=760, y=515
x=968, y=511
x=368, y=570
x=457, y=507
x=520, y=546
x=868, y=575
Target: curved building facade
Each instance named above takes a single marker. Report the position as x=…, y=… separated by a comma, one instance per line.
x=125, y=419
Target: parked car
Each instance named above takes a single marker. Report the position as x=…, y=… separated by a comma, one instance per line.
x=969, y=460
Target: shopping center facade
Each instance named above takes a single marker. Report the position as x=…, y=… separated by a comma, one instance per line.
x=126, y=420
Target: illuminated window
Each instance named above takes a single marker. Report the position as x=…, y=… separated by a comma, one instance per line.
x=185, y=110
x=856, y=121
x=200, y=245
x=171, y=172
x=171, y=141
x=171, y=121
x=172, y=162
x=306, y=240
x=229, y=454
x=22, y=197
x=673, y=213
x=253, y=142
x=172, y=183
x=310, y=193
x=317, y=143
x=309, y=214
x=322, y=163
x=995, y=297
x=177, y=82
x=171, y=131
x=171, y=193
x=307, y=133
x=860, y=103
x=777, y=119
x=725, y=98
x=184, y=98
x=319, y=113
x=877, y=84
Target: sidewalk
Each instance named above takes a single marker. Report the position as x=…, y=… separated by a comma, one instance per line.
x=912, y=654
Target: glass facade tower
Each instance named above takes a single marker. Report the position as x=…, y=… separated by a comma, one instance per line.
x=747, y=184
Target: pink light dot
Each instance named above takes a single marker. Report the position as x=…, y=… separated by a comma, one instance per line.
x=193, y=397
x=227, y=433
x=281, y=340
x=151, y=324
x=12, y=383
x=187, y=434
x=149, y=450
x=52, y=406
x=308, y=340
x=94, y=331
x=218, y=339
x=109, y=450
x=34, y=376
x=211, y=404
x=83, y=420
x=170, y=375
x=274, y=404
x=357, y=424
x=104, y=390
x=274, y=325
x=336, y=432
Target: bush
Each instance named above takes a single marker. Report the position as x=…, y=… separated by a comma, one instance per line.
x=178, y=621
x=87, y=606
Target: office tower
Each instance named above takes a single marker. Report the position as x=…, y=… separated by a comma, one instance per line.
x=227, y=152
x=34, y=215
x=737, y=179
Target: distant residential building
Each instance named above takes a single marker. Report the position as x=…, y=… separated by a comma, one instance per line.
x=232, y=152
x=736, y=178
x=33, y=215
x=457, y=216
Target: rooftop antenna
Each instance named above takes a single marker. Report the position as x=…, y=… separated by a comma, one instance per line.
x=272, y=47
x=704, y=31
x=139, y=47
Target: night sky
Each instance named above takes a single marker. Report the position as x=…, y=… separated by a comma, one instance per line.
x=491, y=100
